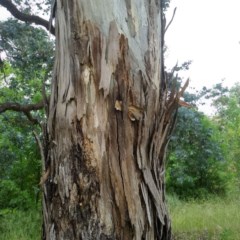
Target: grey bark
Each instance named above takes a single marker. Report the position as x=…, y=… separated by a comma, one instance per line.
x=109, y=122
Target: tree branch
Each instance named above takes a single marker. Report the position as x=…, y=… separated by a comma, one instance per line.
x=26, y=109
x=31, y=118
x=20, y=108
x=26, y=17
x=174, y=11
x=41, y=149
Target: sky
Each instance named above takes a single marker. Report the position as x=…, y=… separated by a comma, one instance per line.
x=206, y=32
x=3, y=14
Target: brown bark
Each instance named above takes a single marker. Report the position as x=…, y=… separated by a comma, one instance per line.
x=24, y=108
x=109, y=121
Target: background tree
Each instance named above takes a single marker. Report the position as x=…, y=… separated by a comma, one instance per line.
x=196, y=163
x=196, y=159
x=29, y=57
x=228, y=119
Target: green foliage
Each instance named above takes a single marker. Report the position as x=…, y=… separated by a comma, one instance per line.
x=195, y=163
x=20, y=164
x=29, y=61
x=37, y=7
x=27, y=48
x=28, y=64
x=204, y=153
x=11, y=196
x=228, y=121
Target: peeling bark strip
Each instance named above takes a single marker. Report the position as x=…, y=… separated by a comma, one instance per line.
x=109, y=121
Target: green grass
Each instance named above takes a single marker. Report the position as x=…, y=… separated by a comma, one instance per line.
x=215, y=219
x=20, y=225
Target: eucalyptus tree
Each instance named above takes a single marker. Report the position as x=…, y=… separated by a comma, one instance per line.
x=108, y=120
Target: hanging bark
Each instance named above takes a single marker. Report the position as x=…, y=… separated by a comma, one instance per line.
x=109, y=122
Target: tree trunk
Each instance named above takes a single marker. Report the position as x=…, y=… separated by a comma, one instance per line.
x=108, y=124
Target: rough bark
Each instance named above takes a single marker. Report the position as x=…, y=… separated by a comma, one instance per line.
x=109, y=121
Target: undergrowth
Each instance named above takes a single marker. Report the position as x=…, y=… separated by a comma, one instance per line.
x=212, y=219
x=20, y=225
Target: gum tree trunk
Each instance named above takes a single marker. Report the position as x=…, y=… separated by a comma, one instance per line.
x=109, y=122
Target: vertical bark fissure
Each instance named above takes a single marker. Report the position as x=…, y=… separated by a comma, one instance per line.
x=119, y=152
